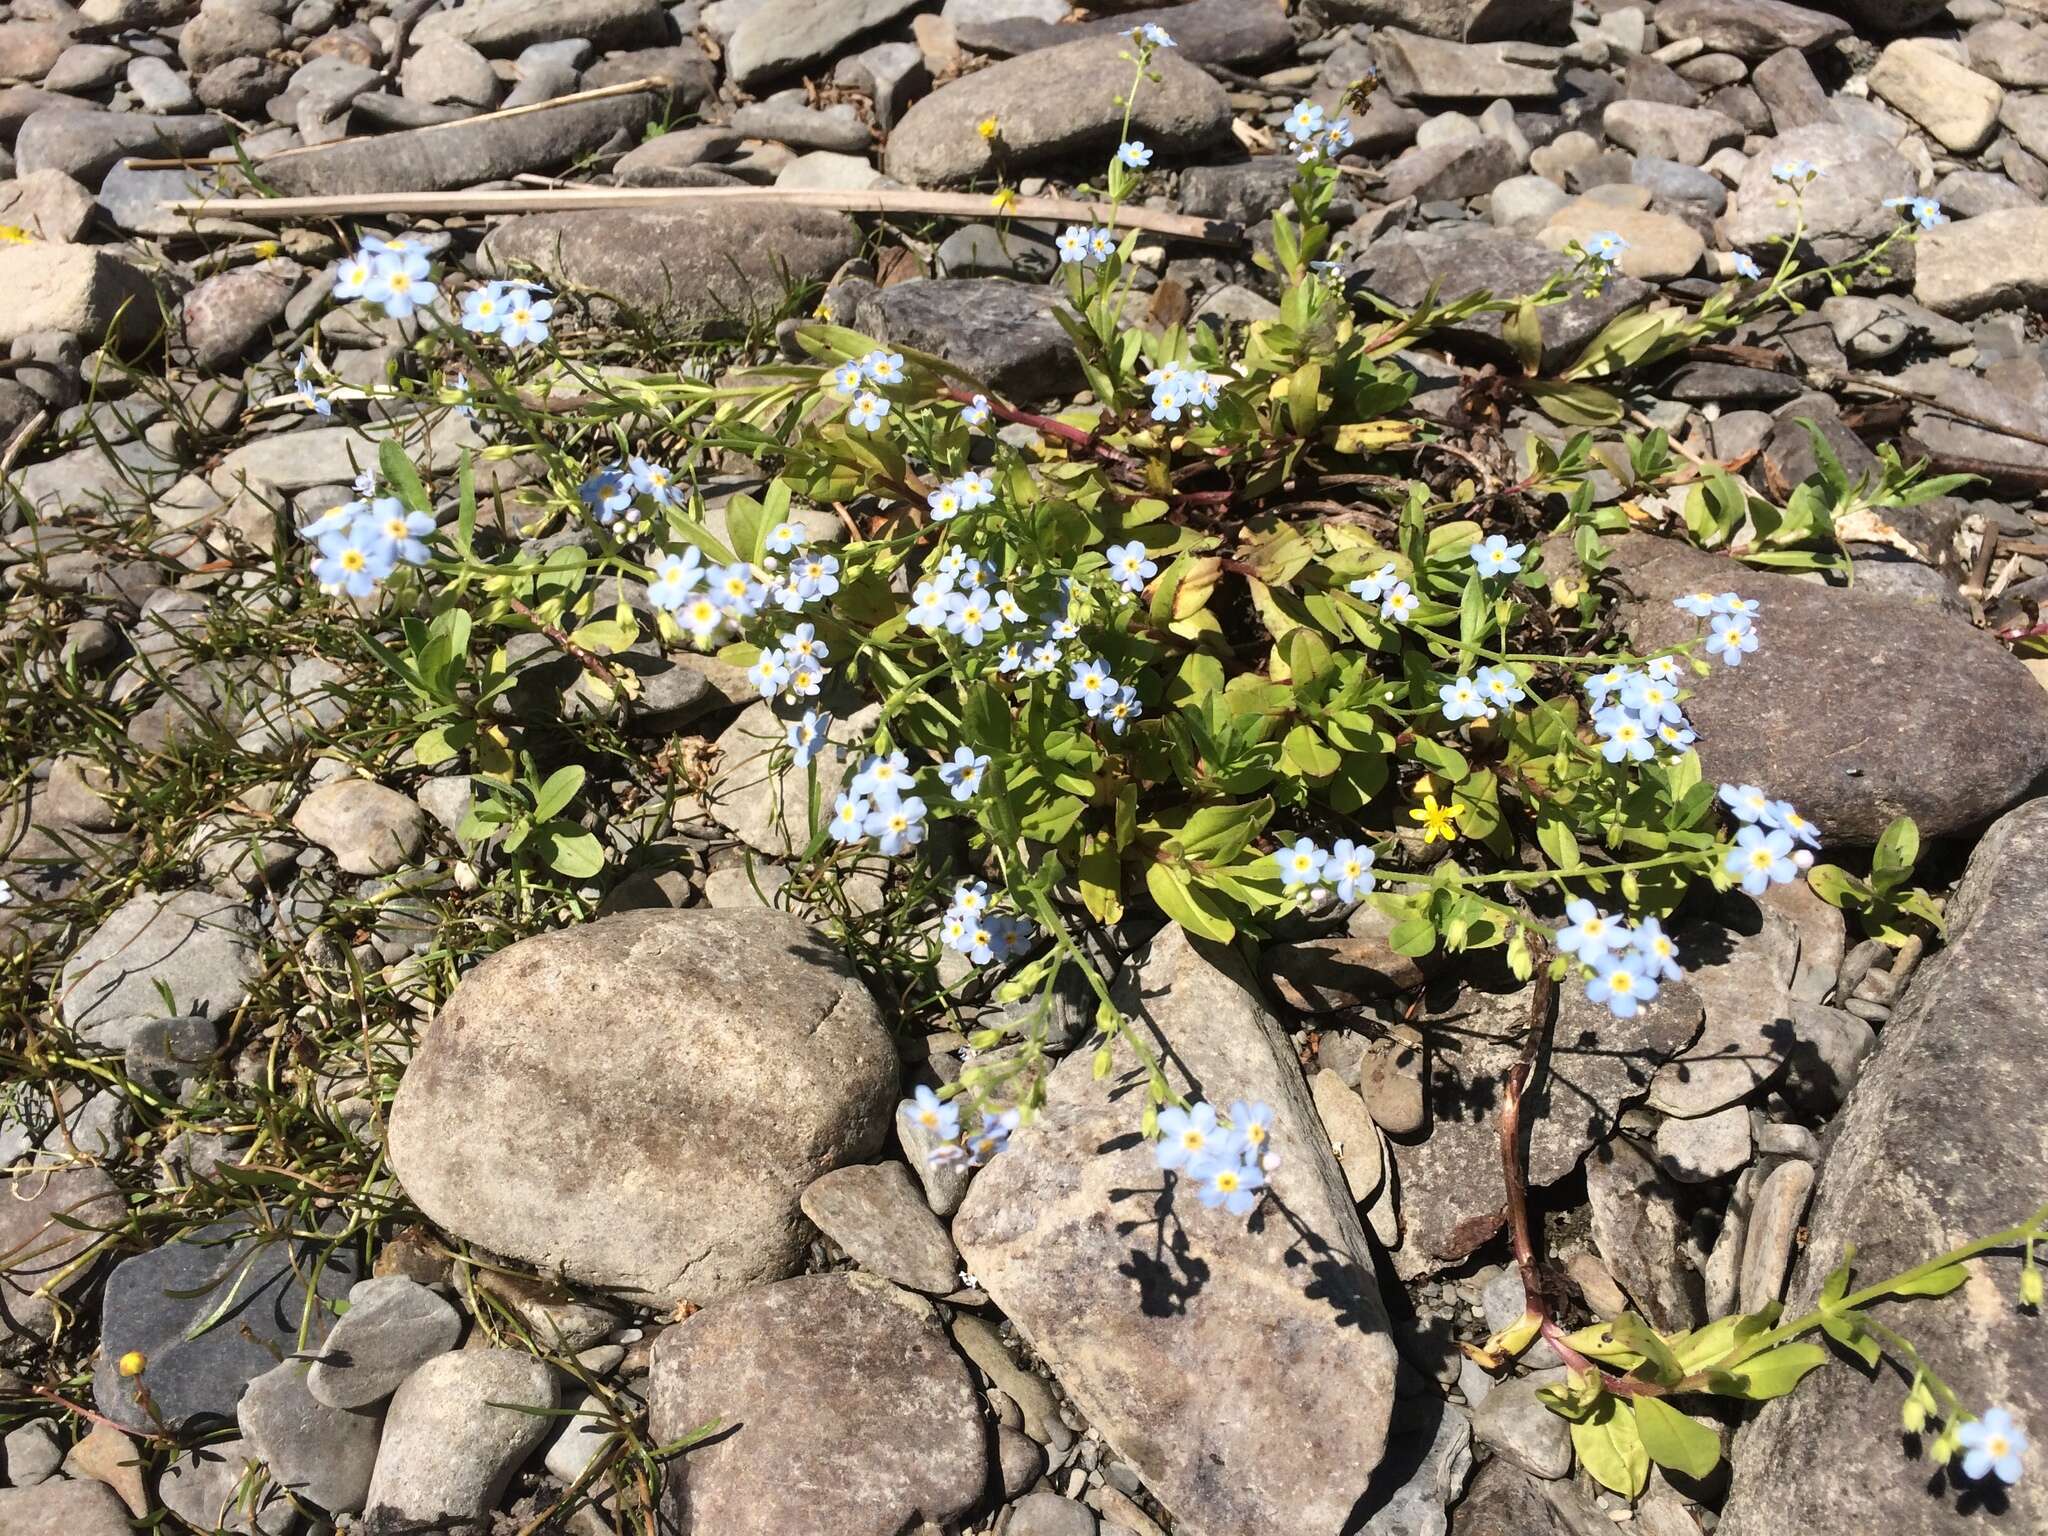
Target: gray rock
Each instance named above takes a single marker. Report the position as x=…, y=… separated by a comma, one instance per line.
x=1597, y=1064
x=63, y=1509
x=1749, y=29
x=676, y=266
x=1450, y=172
x=200, y=947
x=321, y=1453
x=836, y=128
x=1525, y=201
x=1955, y=104
x=621, y=1159
x=1685, y=134
x=1002, y=333
x=446, y=72
x=1047, y=1514
x=90, y=293
x=1773, y=1229
x=1794, y=717
x=1660, y=248
x=254, y=1293
x=158, y=87
x=462, y=154
x=203, y=1488
x=770, y=812
x=38, y=1246
x=1204, y=31
x=1140, y=1299
x=1020, y=1461
x=48, y=204
x=982, y=250
x=1242, y=193
x=841, y=1371
x=1683, y=189
x=1790, y=91
x=877, y=1215
x=1429, y=1456
x=1844, y=209
x=1703, y=1150
x=1638, y=1233
x=393, y=1326
x=581, y=1439
x=686, y=75
x=1520, y=1425
x=1430, y=69
x=2009, y=52
x=85, y=143
x=166, y=1053
x=1998, y=260
x=30, y=1453
x=944, y=1181
x=1742, y=966
x=223, y=318
x=83, y=69
x=454, y=1436
x=1505, y=1501
x=1056, y=106
x=781, y=37
x=503, y=29
x=369, y=829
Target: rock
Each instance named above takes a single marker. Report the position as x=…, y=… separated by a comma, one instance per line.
x=1520, y=1425
x=1430, y=69
x=1749, y=29
x=1638, y=1231
x=84, y=143
x=879, y=1217
x=685, y=74
x=1794, y=718
x=782, y=37
x=1401, y=269
x=1047, y=1514
x=622, y=1159
x=1906, y=1179
x=1773, y=1230
x=1996, y=260
x=1790, y=91
x=1429, y=1456
x=228, y=29
x=2009, y=53
x=444, y=72
x=1055, y=106
x=1354, y=1139
x=223, y=318
x=1525, y=201
x=224, y=1273
x=1020, y=1461
x=320, y=1453
x=462, y=154
x=30, y=1453
x=1844, y=208
x=90, y=293
x=1505, y=1501
x=1002, y=333
x=675, y=266
x=1742, y=967
x=393, y=1326
x=158, y=87
x=502, y=29
x=369, y=829
x=581, y=1439
x=203, y=1488
x=1390, y=1081
x=240, y=87
x=1660, y=248
x=772, y=814
x=1703, y=1150
x=454, y=1436
x=63, y=1509
x=48, y=204
x=30, y=50
x=37, y=1248
x=1958, y=106
x=1140, y=1299
x=837, y=128
x=1231, y=32
x=840, y=1371
x=1597, y=1064
x=1453, y=171
x=199, y=947
x=1037, y=1403
x=285, y=463
x=1325, y=975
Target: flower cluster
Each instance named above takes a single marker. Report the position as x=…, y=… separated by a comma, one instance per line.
x=942, y=1120
x=1175, y=388
x=704, y=598
x=874, y=805
x=1227, y=1159
x=1313, y=137
x=1635, y=708
x=1345, y=868
x=1624, y=963
x=394, y=273
x=621, y=490
x=363, y=541
x=861, y=382
x=1085, y=245
x=1731, y=622
x=1924, y=211
x=967, y=492
x=976, y=930
x=1397, y=600
x=512, y=312
x=1774, y=842
x=1102, y=696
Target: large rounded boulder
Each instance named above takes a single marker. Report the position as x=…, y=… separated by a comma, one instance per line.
x=638, y=1103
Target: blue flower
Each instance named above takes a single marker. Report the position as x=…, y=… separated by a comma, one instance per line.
x=607, y=493
x=898, y=827
x=944, y=502
x=354, y=559
x=1499, y=686
x=1622, y=736
x=1653, y=702
x=353, y=274
x=1092, y=684
x=1761, y=859
x=1227, y=1180
x=867, y=411
x=1620, y=982
x=992, y=1135
x=806, y=677
x=803, y=641
x=526, y=319
x=963, y=774
x=1349, y=867
x=1992, y=1446
x=1795, y=173
x=977, y=489
x=786, y=538
x=1134, y=154
x=937, y=1117
x=1168, y=396
x=1253, y=1123
x=975, y=413
x=882, y=779
x=308, y=391
x=768, y=673
x=807, y=734
x=1400, y=604
x=1731, y=639
x=701, y=616
x=1700, y=604
x=1495, y=556
x=883, y=367
x=1653, y=947
x=1924, y=211
x=1745, y=266
x=1151, y=32
x=1122, y=709
x=401, y=284
x=1677, y=736
x=1072, y=244
x=847, y=379
x=652, y=481
x=1605, y=247
x=1746, y=801
x=970, y=897
x=1305, y=121
x=1129, y=565
x=849, y=819
x=1043, y=658
x=1736, y=607
x=1460, y=700
x=483, y=309
x=812, y=577
x=1302, y=865
x=1781, y=815
x=403, y=531
x=1376, y=586
x=1011, y=657
x=928, y=607
x=1663, y=668
x=1590, y=933
x=971, y=615
x=1185, y=1134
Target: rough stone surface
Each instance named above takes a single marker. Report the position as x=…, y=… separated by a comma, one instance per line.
x=321, y=1453
x=503, y=29
x=664, y=1154
x=1997, y=260
x=678, y=266
x=1844, y=208
x=91, y=293
x=1904, y=1181
x=369, y=829
x=1141, y=1299
x=879, y=1217
x=781, y=37
x=1958, y=106
x=1638, y=1230
x=1794, y=717
x=1004, y=334
x=1749, y=29
x=1054, y=106
x=36, y=1248
x=393, y=1325
x=454, y=1436
x=200, y=946
x=1425, y=68
x=850, y=1413
x=63, y=1509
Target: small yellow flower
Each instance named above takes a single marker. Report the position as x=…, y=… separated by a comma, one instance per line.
x=265, y=249
x=986, y=128
x=1436, y=819
x=1004, y=201
x=14, y=234
x=131, y=1364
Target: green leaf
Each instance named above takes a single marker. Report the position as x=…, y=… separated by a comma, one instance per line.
x=1308, y=754
x=1892, y=861
x=1847, y=1330
x=1193, y=908
x=568, y=849
x=1574, y=405
x=1676, y=1440
x=1415, y=937
x=554, y=796
x=1611, y=1447
x=747, y=522
x=985, y=718
x=1631, y=1332
x=1936, y=1283
x=401, y=476
x=1771, y=1374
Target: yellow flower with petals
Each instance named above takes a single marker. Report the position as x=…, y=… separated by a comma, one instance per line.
x=986, y=127
x=1436, y=819
x=1004, y=201
x=14, y=234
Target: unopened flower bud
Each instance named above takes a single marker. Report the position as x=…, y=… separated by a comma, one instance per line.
x=2030, y=1287
x=1803, y=858
x=132, y=1363
x=1913, y=1416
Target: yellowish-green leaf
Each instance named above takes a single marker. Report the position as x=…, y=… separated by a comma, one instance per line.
x=1676, y=1440
x=1611, y=1448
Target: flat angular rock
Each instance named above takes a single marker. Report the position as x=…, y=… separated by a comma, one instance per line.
x=1997, y=260
x=1749, y=29
x=1141, y=1300
x=841, y=1374
x=201, y=947
x=1742, y=965
x=701, y=271
x=202, y=1487
x=1638, y=1232
x=369, y=829
x=767, y=811
x=393, y=1326
x=37, y=1248
x=48, y=204
x=1058, y=106
x=460, y=154
x=665, y=1153
x=1430, y=69
x=879, y=1217
x=453, y=1437
x=1944, y=1100
x=1958, y=106
x=1685, y=134
x=1234, y=32
x=1452, y=1198
x=1002, y=332
x=502, y=29
x=781, y=37
x=321, y=1453
x=156, y=1301
x=1844, y=207
x=59, y=1508
x=91, y=293
x=280, y=464
x=84, y=143
x=1660, y=247
x=1848, y=708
